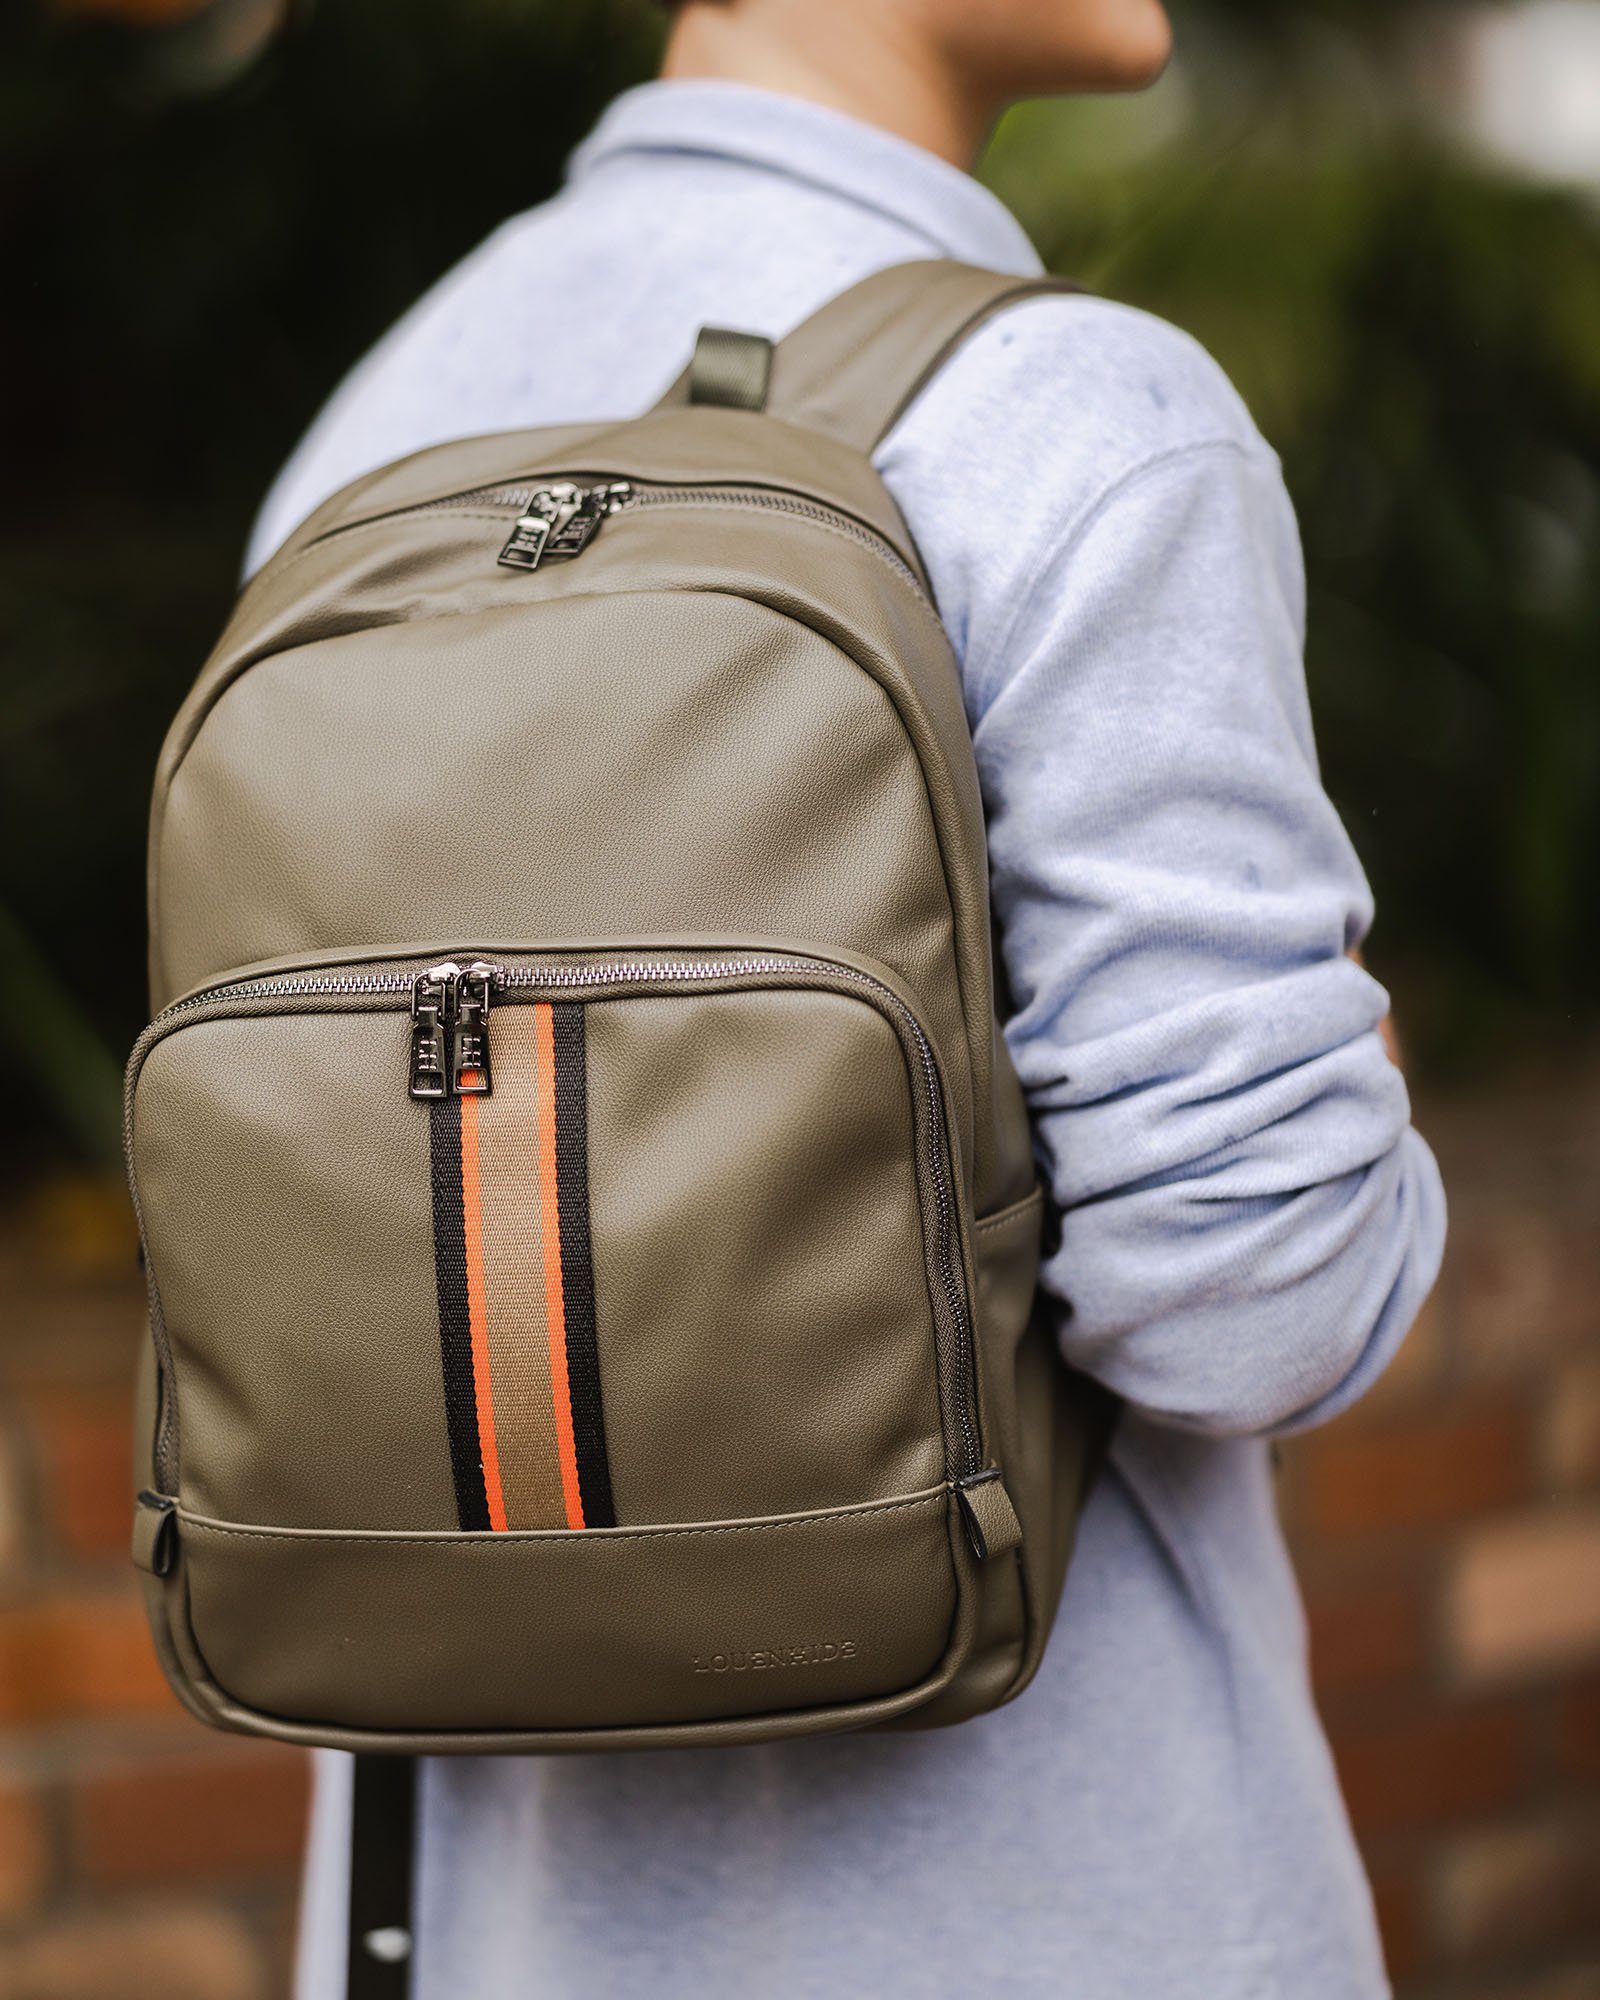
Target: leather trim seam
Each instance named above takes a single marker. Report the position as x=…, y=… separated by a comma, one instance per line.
x=556, y=1538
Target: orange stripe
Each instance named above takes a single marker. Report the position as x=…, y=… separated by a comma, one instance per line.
x=478, y=1313
x=550, y=1223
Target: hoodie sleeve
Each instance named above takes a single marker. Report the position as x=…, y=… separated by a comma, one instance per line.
x=1248, y=1222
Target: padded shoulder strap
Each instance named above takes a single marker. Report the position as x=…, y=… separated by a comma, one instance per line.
x=855, y=365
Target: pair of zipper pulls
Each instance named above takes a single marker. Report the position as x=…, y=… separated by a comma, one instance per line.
x=560, y=521
x=450, y=1030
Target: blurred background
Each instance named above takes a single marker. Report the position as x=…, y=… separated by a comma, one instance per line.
x=1384, y=219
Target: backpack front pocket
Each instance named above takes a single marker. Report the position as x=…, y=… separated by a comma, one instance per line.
x=541, y=1247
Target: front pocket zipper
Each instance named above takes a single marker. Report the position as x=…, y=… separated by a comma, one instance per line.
x=558, y=519
x=450, y=1055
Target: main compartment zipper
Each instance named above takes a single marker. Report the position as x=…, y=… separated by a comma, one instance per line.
x=450, y=1055
x=558, y=519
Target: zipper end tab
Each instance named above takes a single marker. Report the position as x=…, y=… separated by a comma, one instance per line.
x=155, y=1533
x=988, y=1515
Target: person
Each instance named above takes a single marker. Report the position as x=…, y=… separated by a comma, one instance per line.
x=1245, y=1222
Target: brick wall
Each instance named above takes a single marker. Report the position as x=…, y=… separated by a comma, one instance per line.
x=140, y=1854
x=1448, y=1533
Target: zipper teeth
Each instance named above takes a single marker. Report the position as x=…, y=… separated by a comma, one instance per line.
x=274, y=989
x=520, y=497
x=480, y=496
x=657, y=972
x=779, y=503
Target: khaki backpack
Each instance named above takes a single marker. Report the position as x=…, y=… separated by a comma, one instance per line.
x=589, y=1210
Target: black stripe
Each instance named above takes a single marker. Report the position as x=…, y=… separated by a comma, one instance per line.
x=577, y=1266
x=455, y=1325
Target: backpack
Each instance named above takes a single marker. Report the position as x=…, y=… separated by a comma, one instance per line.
x=588, y=1208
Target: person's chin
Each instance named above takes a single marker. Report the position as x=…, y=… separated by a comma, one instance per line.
x=1124, y=49
x=1137, y=56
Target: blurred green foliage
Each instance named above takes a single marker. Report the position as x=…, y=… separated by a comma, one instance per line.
x=201, y=234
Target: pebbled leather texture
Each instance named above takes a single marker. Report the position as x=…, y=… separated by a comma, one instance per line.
x=765, y=1319
x=284, y=1180
x=722, y=725
x=552, y=1631
x=736, y=1140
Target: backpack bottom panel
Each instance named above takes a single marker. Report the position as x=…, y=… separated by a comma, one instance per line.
x=559, y=1631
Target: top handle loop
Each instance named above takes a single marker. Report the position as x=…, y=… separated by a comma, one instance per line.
x=730, y=368
x=852, y=369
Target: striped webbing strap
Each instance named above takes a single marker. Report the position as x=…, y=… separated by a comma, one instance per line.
x=515, y=1280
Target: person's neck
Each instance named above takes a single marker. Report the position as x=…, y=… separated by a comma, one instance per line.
x=867, y=69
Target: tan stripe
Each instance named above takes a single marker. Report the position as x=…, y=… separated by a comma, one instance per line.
x=513, y=1204
x=554, y=1298
x=477, y=1311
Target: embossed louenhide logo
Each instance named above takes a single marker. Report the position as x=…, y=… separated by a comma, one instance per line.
x=762, y=1659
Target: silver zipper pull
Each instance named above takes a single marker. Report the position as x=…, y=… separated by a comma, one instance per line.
x=469, y=1058
x=596, y=505
x=432, y=1006
x=560, y=522
x=574, y=532
x=548, y=509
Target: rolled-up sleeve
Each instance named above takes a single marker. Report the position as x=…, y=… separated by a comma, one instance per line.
x=1248, y=1222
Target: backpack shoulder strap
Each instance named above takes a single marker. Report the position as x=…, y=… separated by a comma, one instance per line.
x=854, y=366
x=858, y=363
